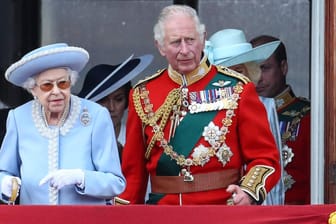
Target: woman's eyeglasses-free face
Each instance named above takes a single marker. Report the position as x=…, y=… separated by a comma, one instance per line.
x=48, y=86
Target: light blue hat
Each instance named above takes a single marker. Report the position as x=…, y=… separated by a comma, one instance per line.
x=50, y=56
x=229, y=47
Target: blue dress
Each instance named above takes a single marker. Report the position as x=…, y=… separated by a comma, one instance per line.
x=85, y=141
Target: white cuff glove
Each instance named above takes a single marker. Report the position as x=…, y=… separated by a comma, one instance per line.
x=61, y=178
x=7, y=185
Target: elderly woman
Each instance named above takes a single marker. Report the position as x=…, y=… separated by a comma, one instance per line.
x=58, y=147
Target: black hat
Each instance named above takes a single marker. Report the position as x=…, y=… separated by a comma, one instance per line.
x=103, y=79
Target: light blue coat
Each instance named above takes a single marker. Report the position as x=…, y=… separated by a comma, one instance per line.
x=90, y=147
x=277, y=195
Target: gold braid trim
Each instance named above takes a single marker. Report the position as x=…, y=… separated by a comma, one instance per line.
x=152, y=118
x=253, y=182
x=232, y=73
x=147, y=78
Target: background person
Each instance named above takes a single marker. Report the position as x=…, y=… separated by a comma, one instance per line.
x=294, y=118
x=229, y=47
x=109, y=85
x=53, y=145
x=189, y=126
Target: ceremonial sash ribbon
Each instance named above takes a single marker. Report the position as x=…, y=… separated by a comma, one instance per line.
x=188, y=133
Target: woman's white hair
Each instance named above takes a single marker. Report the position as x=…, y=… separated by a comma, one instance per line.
x=168, y=11
x=30, y=83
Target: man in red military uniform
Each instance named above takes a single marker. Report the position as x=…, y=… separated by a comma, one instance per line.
x=294, y=119
x=198, y=131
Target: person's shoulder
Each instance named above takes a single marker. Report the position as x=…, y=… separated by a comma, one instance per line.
x=302, y=104
x=23, y=107
x=233, y=74
x=303, y=100
x=149, y=78
x=299, y=107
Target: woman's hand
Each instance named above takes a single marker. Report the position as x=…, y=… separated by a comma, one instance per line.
x=10, y=185
x=63, y=177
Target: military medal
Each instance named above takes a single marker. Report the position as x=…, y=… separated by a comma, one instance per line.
x=211, y=100
x=175, y=106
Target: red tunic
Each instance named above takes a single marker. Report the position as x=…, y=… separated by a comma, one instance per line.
x=249, y=139
x=294, y=118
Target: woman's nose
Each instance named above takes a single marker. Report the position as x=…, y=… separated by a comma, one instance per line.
x=111, y=105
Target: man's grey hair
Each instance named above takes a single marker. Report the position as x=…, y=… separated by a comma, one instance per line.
x=30, y=83
x=176, y=9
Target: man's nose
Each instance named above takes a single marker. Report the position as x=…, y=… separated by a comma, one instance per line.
x=184, y=47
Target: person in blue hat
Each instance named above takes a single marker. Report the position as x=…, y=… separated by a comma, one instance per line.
x=229, y=48
x=109, y=85
x=57, y=149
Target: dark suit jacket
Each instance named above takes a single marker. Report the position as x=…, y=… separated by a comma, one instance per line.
x=3, y=119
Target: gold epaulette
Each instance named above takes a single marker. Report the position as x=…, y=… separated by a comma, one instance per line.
x=232, y=73
x=159, y=72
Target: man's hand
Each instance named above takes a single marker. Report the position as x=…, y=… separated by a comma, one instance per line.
x=238, y=195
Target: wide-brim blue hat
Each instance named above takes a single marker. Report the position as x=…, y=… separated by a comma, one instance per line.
x=229, y=47
x=103, y=79
x=50, y=56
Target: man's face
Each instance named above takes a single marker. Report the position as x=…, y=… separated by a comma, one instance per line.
x=182, y=45
x=273, y=77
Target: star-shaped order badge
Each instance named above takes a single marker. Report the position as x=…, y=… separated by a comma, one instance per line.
x=287, y=155
x=211, y=133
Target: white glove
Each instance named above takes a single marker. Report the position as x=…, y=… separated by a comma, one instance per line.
x=61, y=178
x=6, y=185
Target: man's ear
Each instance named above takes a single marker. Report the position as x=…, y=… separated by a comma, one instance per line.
x=284, y=67
x=160, y=48
x=204, y=39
